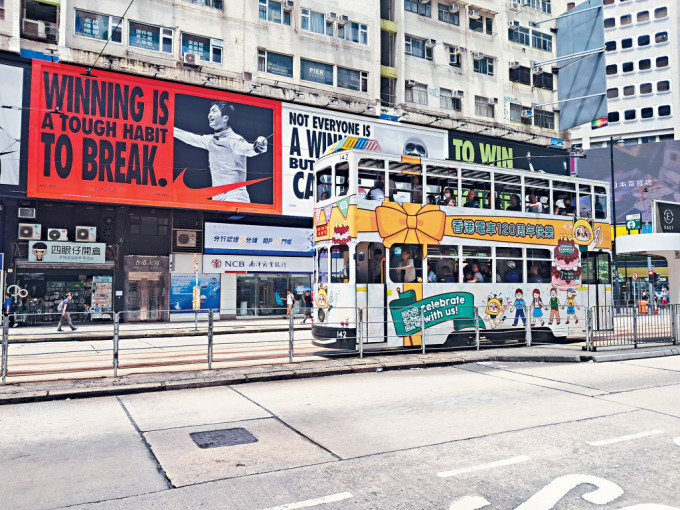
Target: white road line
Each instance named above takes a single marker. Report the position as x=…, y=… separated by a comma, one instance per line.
x=677, y=440
x=613, y=440
x=313, y=502
x=469, y=503
x=479, y=467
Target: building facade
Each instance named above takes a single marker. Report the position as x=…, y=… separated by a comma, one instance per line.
x=104, y=191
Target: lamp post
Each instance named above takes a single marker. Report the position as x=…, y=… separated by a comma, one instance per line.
x=619, y=141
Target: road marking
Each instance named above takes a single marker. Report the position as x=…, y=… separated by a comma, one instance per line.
x=650, y=506
x=613, y=440
x=479, y=467
x=677, y=440
x=551, y=494
x=313, y=502
x=469, y=503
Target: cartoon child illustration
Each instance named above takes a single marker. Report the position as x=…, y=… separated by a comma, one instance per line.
x=554, y=305
x=538, y=308
x=518, y=307
x=323, y=303
x=571, y=306
x=494, y=308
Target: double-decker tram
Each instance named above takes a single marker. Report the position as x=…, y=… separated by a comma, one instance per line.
x=415, y=245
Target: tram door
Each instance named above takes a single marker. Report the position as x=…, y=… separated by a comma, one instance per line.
x=596, y=268
x=370, y=291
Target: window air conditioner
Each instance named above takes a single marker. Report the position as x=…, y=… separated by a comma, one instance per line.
x=57, y=234
x=458, y=94
x=538, y=70
x=343, y=20
x=410, y=83
x=477, y=55
x=493, y=100
x=431, y=43
x=289, y=5
x=514, y=6
x=454, y=8
x=30, y=231
x=34, y=28
x=527, y=114
x=513, y=25
x=514, y=65
x=474, y=14
x=331, y=17
x=426, y=2
x=86, y=234
x=460, y=50
x=189, y=59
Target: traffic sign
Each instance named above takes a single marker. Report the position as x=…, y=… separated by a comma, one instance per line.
x=634, y=277
x=633, y=221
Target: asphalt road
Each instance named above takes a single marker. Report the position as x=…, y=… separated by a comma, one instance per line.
x=522, y=435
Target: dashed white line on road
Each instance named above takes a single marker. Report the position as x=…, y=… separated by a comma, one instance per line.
x=469, y=503
x=620, y=439
x=313, y=502
x=479, y=467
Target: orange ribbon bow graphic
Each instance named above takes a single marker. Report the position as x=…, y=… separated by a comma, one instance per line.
x=410, y=223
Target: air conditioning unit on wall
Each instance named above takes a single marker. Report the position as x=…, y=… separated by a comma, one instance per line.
x=57, y=234
x=86, y=234
x=185, y=238
x=29, y=231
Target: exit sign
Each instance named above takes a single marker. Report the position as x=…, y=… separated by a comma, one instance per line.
x=633, y=222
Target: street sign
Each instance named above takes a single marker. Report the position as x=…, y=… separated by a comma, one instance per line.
x=633, y=221
x=634, y=277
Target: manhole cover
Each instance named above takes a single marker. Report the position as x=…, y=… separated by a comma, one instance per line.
x=224, y=437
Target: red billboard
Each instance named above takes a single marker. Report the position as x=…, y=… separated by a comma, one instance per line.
x=121, y=139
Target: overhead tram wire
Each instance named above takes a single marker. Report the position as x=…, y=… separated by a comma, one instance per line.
x=88, y=71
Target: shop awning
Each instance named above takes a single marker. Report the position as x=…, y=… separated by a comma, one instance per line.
x=47, y=266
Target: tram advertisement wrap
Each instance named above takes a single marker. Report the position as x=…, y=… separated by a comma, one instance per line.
x=307, y=132
x=114, y=138
x=452, y=306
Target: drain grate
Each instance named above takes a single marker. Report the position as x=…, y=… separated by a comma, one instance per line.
x=224, y=437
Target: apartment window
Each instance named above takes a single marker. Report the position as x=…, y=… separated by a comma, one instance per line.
x=541, y=41
x=643, y=40
x=516, y=114
x=482, y=24
x=448, y=101
x=629, y=115
x=662, y=61
x=521, y=75
x=208, y=50
x=416, y=93
x=274, y=63
x=271, y=10
x=661, y=37
x=484, y=65
x=626, y=43
x=484, y=107
x=661, y=12
x=419, y=7
x=627, y=67
x=611, y=69
x=99, y=26
x=543, y=81
x=647, y=139
x=352, y=80
x=647, y=113
x=445, y=14
x=150, y=37
x=629, y=90
x=2, y=9
x=354, y=32
x=544, y=119
x=610, y=46
x=644, y=64
x=613, y=117
x=642, y=16
x=454, y=57
x=317, y=72
x=520, y=35
x=608, y=2
x=626, y=19
x=646, y=88
x=663, y=86
x=316, y=22
x=541, y=5
x=665, y=138
x=612, y=93
x=665, y=110
x=609, y=23
x=417, y=48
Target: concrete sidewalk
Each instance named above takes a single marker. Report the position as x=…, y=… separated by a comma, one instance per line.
x=161, y=381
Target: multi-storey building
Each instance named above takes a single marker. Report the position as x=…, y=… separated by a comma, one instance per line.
x=437, y=72
x=642, y=74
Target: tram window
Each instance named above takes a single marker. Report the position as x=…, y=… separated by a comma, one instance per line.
x=585, y=199
x=442, y=188
x=509, y=265
x=537, y=195
x=406, y=263
x=508, y=192
x=476, y=189
x=369, y=263
x=564, y=198
x=371, y=184
x=322, y=269
x=442, y=264
x=477, y=266
x=339, y=264
x=341, y=178
x=600, y=203
x=406, y=186
x=539, y=263
x=595, y=268
x=324, y=181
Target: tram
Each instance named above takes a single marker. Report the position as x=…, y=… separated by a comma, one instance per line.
x=428, y=250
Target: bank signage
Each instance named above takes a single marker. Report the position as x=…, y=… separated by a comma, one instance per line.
x=262, y=240
x=256, y=264
x=73, y=253
x=668, y=217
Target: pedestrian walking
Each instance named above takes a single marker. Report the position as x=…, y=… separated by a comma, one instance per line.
x=307, y=298
x=65, y=313
x=290, y=301
x=7, y=306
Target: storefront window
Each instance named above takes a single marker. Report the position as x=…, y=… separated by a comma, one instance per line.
x=265, y=294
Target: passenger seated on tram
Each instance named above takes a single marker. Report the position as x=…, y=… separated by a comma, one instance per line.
x=472, y=274
x=471, y=200
x=567, y=209
x=446, y=276
x=324, y=195
x=448, y=198
x=485, y=271
x=406, y=270
x=377, y=191
x=431, y=276
x=514, y=203
x=534, y=276
x=511, y=275
x=417, y=190
x=534, y=204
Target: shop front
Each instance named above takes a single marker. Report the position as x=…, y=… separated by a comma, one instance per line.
x=147, y=282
